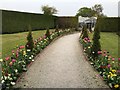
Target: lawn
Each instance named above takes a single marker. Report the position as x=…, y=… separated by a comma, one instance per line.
x=10, y=41
x=109, y=42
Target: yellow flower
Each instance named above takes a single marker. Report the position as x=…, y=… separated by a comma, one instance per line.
x=113, y=75
x=116, y=86
x=24, y=52
x=108, y=76
x=114, y=71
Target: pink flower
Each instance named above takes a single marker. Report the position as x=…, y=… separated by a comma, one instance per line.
x=21, y=47
x=104, y=55
x=13, y=60
x=44, y=36
x=17, y=54
x=113, y=59
x=119, y=59
x=13, y=51
x=88, y=40
x=99, y=52
x=7, y=58
x=108, y=65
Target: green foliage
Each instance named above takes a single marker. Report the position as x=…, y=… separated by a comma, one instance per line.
x=108, y=24
x=57, y=30
x=48, y=34
x=30, y=43
x=85, y=12
x=47, y=10
x=96, y=43
x=84, y=32
x=14, y=22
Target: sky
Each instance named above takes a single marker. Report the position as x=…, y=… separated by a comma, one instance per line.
x=64, y=7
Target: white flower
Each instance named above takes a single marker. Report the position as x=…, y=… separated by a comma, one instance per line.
x=2, y=81
x=33, y=60
x=16, y=70
x=10, y=79
x=30, y=58
x=93, y=52
x=12, y=83
x=28, y=50
x=9, y=74
x=5, y=77
x=1, y=60
x=88, y=47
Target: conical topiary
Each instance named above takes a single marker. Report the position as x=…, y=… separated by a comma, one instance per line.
x=84, y=32
x=30, y=43
x=48, y=34
x=96, y=43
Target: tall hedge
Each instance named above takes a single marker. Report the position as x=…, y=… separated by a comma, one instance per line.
x=108, y=24
x=67, y=22
x=13, y=21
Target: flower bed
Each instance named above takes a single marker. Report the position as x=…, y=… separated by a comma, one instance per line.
x=106, y=65
x=13, y=66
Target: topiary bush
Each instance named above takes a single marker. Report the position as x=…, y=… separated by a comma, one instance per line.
x=96, y=43
x=30, y=43
x=48, y=34
x=84, y=33
x=57, y=30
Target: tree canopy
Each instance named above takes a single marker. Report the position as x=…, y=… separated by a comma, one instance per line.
x=96, y=10
x=85, y=12
x=47, y=10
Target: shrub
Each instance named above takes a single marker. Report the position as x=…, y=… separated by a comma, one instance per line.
x=30, y=43
x=96, y=43
x=48, y=34
x=57, y=30
x=84, y=32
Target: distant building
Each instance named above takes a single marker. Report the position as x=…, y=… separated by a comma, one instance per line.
x=89, y=21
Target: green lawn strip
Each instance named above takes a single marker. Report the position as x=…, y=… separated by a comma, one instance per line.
x=10, y=41
x=109, y=42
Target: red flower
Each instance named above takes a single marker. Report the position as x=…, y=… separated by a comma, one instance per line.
x=7, y=58
x=21, y=47
x=99, y=52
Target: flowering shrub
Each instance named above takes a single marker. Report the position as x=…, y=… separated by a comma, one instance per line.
x=105, y=64
x=13, y=66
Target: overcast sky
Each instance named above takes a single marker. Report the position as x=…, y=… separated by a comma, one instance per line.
x=64, y=7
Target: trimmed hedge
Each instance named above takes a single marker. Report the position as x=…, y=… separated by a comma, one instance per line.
x=67, y=22
x=13, y=21
x=108, y=24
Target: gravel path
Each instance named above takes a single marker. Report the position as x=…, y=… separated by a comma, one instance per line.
x=62, y=65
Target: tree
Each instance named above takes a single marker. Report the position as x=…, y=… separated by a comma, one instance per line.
x=85, y=12
x=98, y=9
x=30, y=43
x=47, y=10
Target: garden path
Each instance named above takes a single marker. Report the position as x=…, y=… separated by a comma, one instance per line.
x=61, y=65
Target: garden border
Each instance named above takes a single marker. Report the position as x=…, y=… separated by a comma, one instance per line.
x=30, y=64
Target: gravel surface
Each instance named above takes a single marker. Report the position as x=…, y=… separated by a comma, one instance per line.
x=61, y=65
